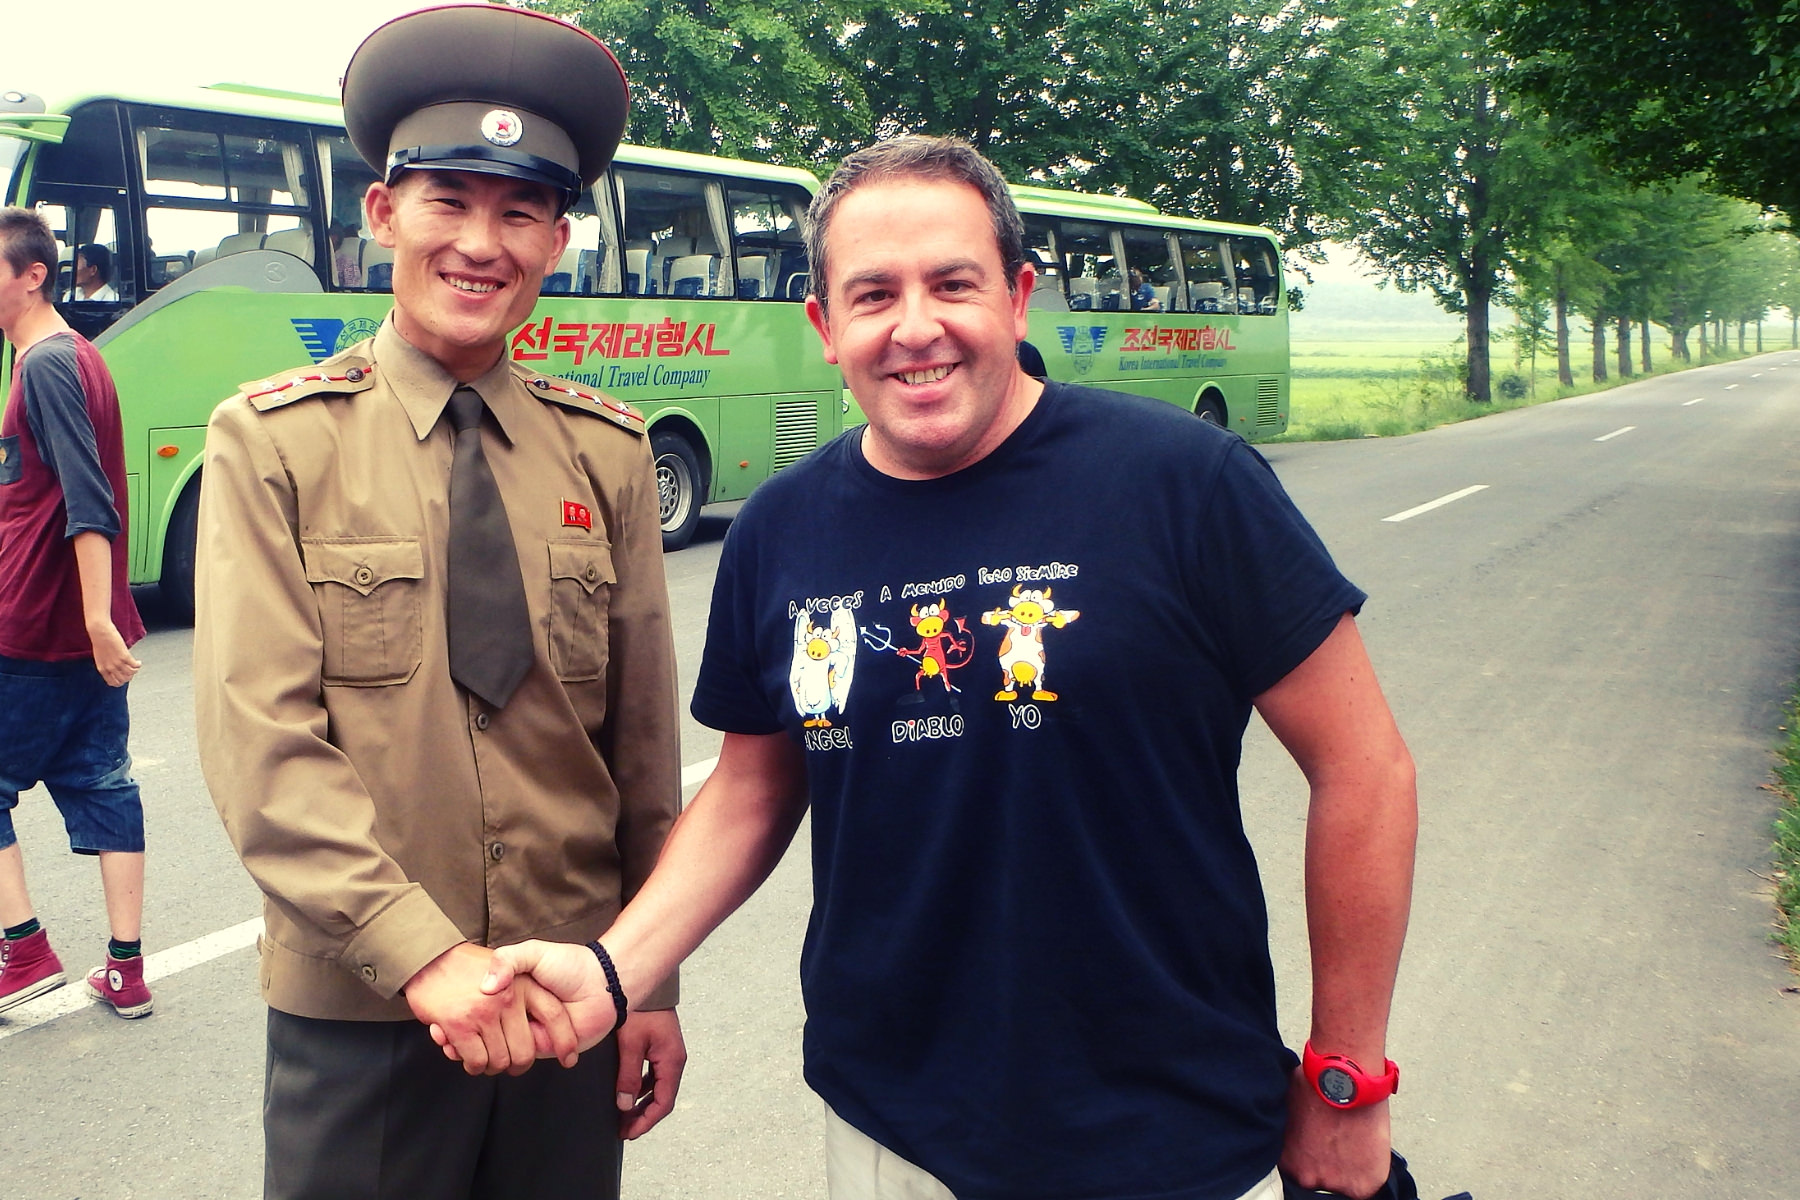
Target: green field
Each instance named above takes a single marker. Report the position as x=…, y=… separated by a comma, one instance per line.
x=1354, y=387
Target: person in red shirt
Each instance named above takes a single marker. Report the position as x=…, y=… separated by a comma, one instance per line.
x=67, y=624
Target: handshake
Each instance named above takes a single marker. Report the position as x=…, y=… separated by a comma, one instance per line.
x=499, y=1011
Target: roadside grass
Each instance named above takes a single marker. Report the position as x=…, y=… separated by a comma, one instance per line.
x=1356, y=389
x=1787, y=836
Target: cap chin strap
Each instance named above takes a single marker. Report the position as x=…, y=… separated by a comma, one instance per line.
x=492, y=159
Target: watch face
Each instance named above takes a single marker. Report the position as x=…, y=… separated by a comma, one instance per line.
x=1336, y=1085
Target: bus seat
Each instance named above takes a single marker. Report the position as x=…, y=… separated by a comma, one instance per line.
x=377, y=267
x=798, y=284
x=237, y=243
x=1246, y=300
x=1165, y=296
x=297, y=242
x=640, y=258
x=587, y=272
x=202, y=257
x=693, y=275
x=752, y=276
x=1082, y=293
x=1206, y=297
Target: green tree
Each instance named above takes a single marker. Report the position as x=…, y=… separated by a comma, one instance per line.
x=1452, y=191
x=1668, y=89
x=743, y=78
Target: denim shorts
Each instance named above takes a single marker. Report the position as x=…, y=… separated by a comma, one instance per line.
x=62, y=726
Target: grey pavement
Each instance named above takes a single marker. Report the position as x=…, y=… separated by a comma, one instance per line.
x=1588, y=658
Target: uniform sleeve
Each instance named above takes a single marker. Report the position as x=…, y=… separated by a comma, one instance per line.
x=641, y=740
x=292, y=804
x=57, y=411
x=1270, y=587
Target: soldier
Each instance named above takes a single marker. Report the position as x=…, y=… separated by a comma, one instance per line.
x=433, y=665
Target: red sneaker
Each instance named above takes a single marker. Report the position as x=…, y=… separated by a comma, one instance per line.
x=31, y=968
x=121, y=984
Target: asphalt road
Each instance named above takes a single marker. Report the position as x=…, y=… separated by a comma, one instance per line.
x=1588, y=656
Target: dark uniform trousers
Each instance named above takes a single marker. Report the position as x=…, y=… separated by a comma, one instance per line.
x=372, y=1110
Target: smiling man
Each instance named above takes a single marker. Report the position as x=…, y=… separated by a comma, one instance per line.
x=1038, y=960
x=433, y=665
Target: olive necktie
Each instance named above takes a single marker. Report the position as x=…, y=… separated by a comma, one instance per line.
x=490, y=627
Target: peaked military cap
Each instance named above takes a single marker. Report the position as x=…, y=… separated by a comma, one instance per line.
x=481, y=87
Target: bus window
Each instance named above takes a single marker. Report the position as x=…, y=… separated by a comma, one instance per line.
x=79, y=187
x=1047, y=291
x=1209, y=284
x=214, y=192
x=1092, y=264
x=1151, y=261
x=354, y=251
x=590, y=264
x=769, y=248
x=1258, y=284
x=673, y=244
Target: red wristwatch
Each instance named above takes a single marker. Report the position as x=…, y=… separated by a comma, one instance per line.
x=1343, y=1084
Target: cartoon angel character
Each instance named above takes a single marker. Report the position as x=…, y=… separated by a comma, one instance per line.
x=824, y=659
x=1022, y=648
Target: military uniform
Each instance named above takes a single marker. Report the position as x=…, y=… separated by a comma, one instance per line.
x=388, y=812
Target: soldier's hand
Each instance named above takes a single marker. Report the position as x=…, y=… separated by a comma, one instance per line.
x=569, y=972
x=488, y=1032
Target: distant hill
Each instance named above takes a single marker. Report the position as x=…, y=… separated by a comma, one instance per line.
x=1345, y=302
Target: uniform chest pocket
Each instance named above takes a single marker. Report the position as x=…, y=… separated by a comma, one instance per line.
x=581, y=579
x=10, y=465
x=370, y=594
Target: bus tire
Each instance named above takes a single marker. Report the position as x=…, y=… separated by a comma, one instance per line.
x=1211, y=409
x=176, y=586
x=678, y=488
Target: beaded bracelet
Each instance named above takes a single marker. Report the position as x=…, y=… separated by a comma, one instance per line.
x=612, y=980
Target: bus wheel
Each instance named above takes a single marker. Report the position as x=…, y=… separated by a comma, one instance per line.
x=1211, y=409
x=677, y=488
x=176, y=587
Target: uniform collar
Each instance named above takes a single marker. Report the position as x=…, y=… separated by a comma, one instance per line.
x=423, y=387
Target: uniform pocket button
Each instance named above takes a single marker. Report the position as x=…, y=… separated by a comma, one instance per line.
x=368, y=973
x=593, y=573
x=364, y=576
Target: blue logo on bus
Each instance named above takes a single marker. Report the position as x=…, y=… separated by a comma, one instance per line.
x=326, y=336
x=1082, y=342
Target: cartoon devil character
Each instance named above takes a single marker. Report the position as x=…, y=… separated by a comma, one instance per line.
x=822, y=666
x=1022, y=648
x=937, y=644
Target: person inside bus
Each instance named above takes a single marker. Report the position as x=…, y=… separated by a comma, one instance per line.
x=93, y=274
x=433, y=668
x=346, y=255
x=1143, y=296
x=1038, y=959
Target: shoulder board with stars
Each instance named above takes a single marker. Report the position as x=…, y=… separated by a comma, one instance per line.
x=560, y=391
x=336, y=378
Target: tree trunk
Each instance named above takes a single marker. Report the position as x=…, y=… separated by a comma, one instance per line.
x=1794, y=331
x=1741, y=324
x=1624, y=345
x=1702, y=339
x=1480, y=288
x=1564, y=375
x=1599, y=329
x=1678, y=334
x=1759, y=335
x=1644, y=346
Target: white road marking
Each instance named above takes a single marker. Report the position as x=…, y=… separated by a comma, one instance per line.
x=1694, y=401
x=1731, y=387
x=75, y=995
x=1438, y=503
x=1607, y=437
x=696, y=773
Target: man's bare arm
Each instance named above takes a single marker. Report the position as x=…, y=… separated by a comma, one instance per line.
x=93, y=564
x=722, y=847
x=1361, y=828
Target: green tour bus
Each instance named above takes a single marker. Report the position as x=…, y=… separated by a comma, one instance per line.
x=1191, y=312
x=232, y=217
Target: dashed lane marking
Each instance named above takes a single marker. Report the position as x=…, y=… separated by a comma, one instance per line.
x=1694, y=401
x=1607, y=437
x=1452, y=498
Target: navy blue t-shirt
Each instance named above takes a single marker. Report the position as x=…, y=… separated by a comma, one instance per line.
x=1037, y=963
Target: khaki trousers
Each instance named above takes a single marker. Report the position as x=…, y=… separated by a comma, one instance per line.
x=859, y=1168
